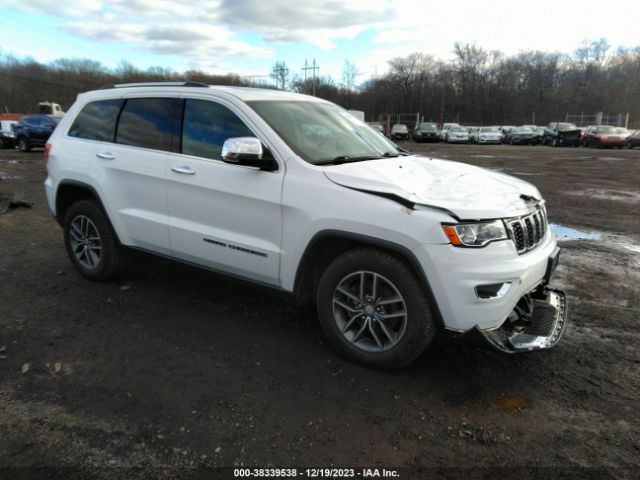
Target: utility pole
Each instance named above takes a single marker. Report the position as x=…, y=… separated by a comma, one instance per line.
x=281, y=72
x=314, y=67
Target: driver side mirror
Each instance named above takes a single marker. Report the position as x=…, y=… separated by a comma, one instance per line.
x=247, y=151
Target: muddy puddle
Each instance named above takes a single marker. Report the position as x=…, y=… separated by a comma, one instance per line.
x=564, y=234
x=615, y=242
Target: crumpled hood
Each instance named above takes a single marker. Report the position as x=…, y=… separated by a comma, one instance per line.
x=467, y=191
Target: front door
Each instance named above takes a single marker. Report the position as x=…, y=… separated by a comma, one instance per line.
x=226, y=217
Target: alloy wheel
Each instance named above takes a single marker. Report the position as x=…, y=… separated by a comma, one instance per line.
x=369, y=311
x=85, y=241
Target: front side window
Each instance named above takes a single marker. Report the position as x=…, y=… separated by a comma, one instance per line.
x=206, y=126
x=97, y=121
x=149, y=123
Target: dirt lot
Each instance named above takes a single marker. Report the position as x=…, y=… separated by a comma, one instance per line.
x=171, y=369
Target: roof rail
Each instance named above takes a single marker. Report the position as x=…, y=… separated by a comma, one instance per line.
x=155, y=84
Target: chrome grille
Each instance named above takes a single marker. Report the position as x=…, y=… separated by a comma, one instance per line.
x=528, y=231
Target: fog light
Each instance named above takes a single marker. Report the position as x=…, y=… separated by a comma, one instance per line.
x=494, y=290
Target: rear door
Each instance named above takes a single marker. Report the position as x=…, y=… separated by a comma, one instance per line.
x=226, y=217
x=133, y=169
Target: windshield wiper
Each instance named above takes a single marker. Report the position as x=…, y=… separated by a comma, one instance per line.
x=346, y=159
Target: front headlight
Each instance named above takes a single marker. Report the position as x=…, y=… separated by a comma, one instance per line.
x=475, y=234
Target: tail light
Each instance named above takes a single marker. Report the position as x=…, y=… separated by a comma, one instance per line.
x=47, y=151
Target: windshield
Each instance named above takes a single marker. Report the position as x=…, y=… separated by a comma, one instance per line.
x=566, y=126
x=521, y=130
x=458, y=129
x=489, y=130
x=622, y=131
x=427, y=126
x=605, y=130
x=399, y=128
x=320, y=132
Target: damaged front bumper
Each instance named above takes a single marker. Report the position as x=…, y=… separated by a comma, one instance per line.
x=536, y=323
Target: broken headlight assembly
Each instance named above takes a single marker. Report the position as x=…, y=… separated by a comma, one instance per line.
x=475, y=234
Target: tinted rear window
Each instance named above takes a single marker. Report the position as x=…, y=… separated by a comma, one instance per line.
x=149, y=122
x=96, y=121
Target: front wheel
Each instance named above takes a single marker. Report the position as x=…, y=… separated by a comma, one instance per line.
x=24, y=145
x=373, y=309
x=90, y=242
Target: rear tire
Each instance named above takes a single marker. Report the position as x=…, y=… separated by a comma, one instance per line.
x=390, y=310
x=90, y=241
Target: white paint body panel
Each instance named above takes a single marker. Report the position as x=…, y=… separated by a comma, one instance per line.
x=273, y=216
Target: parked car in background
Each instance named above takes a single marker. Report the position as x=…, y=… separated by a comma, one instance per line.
x=7, y=134
x=633, y=140
x=227, y=179
x=378, y=127
x=457, y=135
x=426, y=132
x=442, y=134
x=503, y=132
x=521, y=136
x=623, y=131
x=485, y=135
x=34, y=130
x=600, y=136
x=399, y=132
x=561, y=134
x=539, y=134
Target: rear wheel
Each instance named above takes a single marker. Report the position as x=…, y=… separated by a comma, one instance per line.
x=373, y=309
x=90, y=242
x=24, y=145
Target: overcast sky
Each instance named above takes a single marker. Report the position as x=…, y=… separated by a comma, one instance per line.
x=247, y=37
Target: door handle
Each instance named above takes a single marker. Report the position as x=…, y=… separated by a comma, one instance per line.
x=183, y=170
x=105, y=156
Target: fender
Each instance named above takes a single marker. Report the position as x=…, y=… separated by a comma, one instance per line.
x=306, y=262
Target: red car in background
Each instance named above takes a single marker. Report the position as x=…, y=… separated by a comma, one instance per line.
x=633, y=140
x=603, y=136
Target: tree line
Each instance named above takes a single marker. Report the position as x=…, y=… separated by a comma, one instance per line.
x=477, y=86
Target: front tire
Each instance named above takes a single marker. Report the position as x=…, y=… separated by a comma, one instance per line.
x=90, y=242
x=24, y=145
x=373, y=309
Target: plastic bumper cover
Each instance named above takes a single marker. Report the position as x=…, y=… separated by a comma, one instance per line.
x=542, y=329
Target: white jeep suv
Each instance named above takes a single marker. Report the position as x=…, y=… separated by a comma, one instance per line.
x=294, y=193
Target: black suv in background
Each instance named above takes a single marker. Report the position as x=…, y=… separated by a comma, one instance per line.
x=562, y=134
x=426, y=132
x=34, y=130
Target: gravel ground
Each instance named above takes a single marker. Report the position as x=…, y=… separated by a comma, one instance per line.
x=171, y=370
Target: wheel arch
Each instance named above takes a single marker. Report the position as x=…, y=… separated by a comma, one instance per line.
x=71, y=191
x=326, y=245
